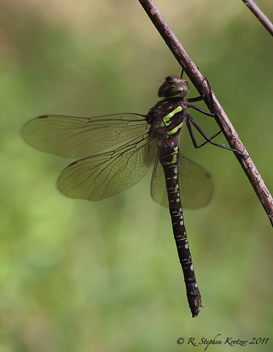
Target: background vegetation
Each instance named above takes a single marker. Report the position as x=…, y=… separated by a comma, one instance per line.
x=83, y=276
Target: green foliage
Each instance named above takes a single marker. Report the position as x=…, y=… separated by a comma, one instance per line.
x=83, y=276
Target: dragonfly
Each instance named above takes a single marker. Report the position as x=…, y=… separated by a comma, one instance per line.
x=116, y=150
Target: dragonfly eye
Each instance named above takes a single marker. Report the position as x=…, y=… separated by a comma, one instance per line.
x=173, y=87
x=173, y=80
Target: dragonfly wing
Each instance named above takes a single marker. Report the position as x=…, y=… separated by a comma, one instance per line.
x=69, y=136
x=158, y=185
x=196, y=185
x=103, y=175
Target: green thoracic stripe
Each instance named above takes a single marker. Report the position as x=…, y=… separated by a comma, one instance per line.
x=166, y=119
x=174, y=130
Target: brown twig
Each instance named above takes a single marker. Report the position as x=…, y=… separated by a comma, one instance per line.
x=201, y=85
x=260, y=15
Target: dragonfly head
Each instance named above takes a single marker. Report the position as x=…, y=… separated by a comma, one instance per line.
x=174, y=87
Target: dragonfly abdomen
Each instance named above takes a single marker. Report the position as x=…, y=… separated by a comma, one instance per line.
x=169, y=158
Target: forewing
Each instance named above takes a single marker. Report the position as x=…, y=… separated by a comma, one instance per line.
x=196, y=187
x=103, y=175
x=69, y=136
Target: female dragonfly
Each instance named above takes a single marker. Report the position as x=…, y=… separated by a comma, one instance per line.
x=116, y=150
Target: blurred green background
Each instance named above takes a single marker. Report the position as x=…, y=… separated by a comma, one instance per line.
x=105, y=276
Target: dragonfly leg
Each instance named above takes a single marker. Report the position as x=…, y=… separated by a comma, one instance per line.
x=192, y=100
x=211, y=97
x=201, y=97
x=190, y=120
x=196, y=145
x=201, y=110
